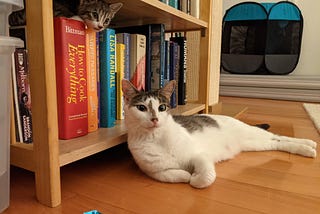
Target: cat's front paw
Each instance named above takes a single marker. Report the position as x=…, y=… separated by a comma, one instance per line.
x=202, y=180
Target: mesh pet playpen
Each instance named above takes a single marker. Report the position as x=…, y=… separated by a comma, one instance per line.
x=261, y=38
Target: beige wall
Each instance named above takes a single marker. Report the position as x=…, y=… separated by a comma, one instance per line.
x=309, y=62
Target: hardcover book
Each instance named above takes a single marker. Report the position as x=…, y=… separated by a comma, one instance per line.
x=107, y=78
x=22, y=96
x=138, y=60
x=91, y=54
x=120, y=75
x=124, y=38
x=174, y=71
x=182, y=42
x=71, y=77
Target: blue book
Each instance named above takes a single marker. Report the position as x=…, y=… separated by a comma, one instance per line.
x=173, y=3
x=124, y=38
x=174, y=71
x=107, y=49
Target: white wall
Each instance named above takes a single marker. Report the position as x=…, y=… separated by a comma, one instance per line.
x=309, y=62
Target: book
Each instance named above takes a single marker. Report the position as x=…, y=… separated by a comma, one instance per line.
x=22, y=95
x=173, y=3
x=195, y=8
x=120, y=52
x=155, y=34
x=98, y=72
x=124, y=38
x=91, y=54
x=138, y=60
x=185, y=6
x=107, y=78
x=166, y=74
x=71, y=77
x=182, y=42
x=174, y=71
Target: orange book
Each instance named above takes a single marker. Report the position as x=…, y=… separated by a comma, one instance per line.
x=91, y=55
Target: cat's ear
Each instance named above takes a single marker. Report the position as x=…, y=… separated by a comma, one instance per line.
x=168, y=89
x=128, y=90
x=115, y=7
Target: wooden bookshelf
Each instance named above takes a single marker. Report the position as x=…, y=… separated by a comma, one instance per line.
x=47, y=153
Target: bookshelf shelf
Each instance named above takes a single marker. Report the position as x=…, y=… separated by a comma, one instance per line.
x=47, y=153
x=137, y=12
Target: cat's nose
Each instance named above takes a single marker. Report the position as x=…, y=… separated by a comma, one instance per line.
x=155, y=120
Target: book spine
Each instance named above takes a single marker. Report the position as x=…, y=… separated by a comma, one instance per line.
x=120, y=75
x=98, y=72
x=71, y=77
x=107, y=78
x=173, y=3
x=174, y=71
x=166, y=76
x=91, y=54
x=195, y=8
x=124, y=38
x=138, y=60
x=23, y=96
x=182, y=42
x=157, y=56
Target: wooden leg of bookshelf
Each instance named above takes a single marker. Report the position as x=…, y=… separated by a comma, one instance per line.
x=44, y=104
x=47, y=177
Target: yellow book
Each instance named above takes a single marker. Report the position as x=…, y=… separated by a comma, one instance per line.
x=91, y=57
x=120, y=52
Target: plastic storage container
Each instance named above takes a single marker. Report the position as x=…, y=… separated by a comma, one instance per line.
x=6, y=7
x=7, y=47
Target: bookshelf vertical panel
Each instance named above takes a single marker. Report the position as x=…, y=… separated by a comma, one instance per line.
x=44, y=106
x=216, y=26
x=205, y=44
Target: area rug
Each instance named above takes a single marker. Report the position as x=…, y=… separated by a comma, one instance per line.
x=313, y=111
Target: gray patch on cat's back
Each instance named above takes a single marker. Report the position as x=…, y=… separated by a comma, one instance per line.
x=195, y=122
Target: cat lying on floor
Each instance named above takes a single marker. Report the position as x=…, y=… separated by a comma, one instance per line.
x=184, y=148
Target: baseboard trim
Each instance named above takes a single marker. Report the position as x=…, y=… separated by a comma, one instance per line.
x=296, y=88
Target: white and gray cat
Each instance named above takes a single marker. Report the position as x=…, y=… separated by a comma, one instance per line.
x=176, y=149
x=97, y=14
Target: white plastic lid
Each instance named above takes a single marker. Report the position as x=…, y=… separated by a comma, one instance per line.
x=10, y=42
x=17, y=4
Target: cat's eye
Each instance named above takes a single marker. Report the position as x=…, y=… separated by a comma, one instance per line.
x=141, y=108
x=95, y=15
x=107, y=21
x=162, y=107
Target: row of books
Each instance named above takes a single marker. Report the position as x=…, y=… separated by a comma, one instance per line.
x=90, y=66
x=191, y=7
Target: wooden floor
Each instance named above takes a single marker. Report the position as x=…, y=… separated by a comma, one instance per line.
x=261, y=182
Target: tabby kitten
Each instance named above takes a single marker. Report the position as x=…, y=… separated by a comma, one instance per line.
x=184, y=148
x=97, y=14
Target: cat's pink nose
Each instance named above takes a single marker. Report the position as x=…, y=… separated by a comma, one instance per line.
x=154, y=120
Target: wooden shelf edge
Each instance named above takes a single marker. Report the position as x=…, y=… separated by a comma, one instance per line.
x=141, y=12
x=22, y=155
x=102, y=139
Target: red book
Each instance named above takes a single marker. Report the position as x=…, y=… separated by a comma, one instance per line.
x=71, y=77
